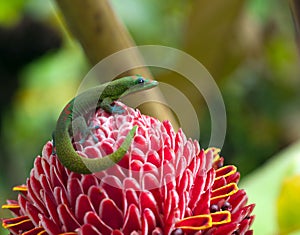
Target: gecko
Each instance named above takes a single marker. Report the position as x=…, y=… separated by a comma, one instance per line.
x=102, y=96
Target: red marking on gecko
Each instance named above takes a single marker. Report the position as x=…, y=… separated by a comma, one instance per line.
x=67, y=111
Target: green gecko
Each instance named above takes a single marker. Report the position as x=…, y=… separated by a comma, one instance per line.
x=105, y=94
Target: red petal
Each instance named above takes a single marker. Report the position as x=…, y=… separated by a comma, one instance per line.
x=188, y=151
x=34, y=188
x=171, y=133
x=148, y=222
x=117, y=170
x=171, y=210
x=88, y=181
x=38, y=169
x=197, y=190
x=225, y=171
x=46, y=167
x=194, y=165
x=47, y=150
x=105, y=148
x=118, y=232
x=229, y=228
x=51, y=227
x=238, y=200
x=132, y=184
x=67, y=218
x=96, y=196
x=148, y=201
x=35, y=231
x=221, y=217
x=154, y=143
x=168, y=154
x=153, y=158
x=210, y=177
x=21, y=223
x=182, y=205
x=141, y=143
x=14, y=207
x=46, y=185
x=111, y=214
x=92, y=152
x=113, y=187
x=202, y=206
x=83, y=205
x=22, y=201
x=52, y=208
x=218, y=183
x=74, y=189
x=242, y=213
x=61, y=196
x=234, y=178
x=135, y=166
x=169, y=183
x=88, y=229
x=185, y=181
x=197, y=222
x=33, y=213
x=131, y=197
x=157, y=231
x=180, y=166
x=149, y=181
x=93, y=219
x=245, y=225
x=132, y=220
x=137, y=155
x=56, y=178
x=180, y=140
x=61, y=170
x=223, y=192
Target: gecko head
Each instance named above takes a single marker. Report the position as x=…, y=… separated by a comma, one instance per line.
x=127, y=85
x=138, y=83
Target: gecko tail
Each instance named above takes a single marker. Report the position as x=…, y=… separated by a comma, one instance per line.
x=95, y=165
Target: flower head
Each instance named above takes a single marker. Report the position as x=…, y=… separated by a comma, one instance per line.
x=165, y=184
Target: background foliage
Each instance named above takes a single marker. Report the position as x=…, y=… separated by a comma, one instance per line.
x=247, y=45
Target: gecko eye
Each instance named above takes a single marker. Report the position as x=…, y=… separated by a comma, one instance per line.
x=140, y=80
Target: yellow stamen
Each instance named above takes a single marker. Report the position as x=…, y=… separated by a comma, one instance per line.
x=230, y=170
x=30, y=231
x=42, y=232
x=226, y=219
x=232, y=189
x=5, y=225
x=10, y=206
x=22, y=188
x=206, y=218
x=214, y=150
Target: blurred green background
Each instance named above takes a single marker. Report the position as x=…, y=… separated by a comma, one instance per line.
x=247, y=45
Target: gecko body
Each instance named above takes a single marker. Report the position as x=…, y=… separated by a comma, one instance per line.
x=102, y=96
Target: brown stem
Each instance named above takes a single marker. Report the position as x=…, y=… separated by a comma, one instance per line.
x=295, y=8
x=101, y=33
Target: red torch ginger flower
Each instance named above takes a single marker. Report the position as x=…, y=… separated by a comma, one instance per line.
x=165, y=184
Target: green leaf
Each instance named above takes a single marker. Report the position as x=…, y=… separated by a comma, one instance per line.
x=10, y=10
x=264, y=185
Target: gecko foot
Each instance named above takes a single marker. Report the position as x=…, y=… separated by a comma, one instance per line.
x=117, y=109
x=89, y=131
